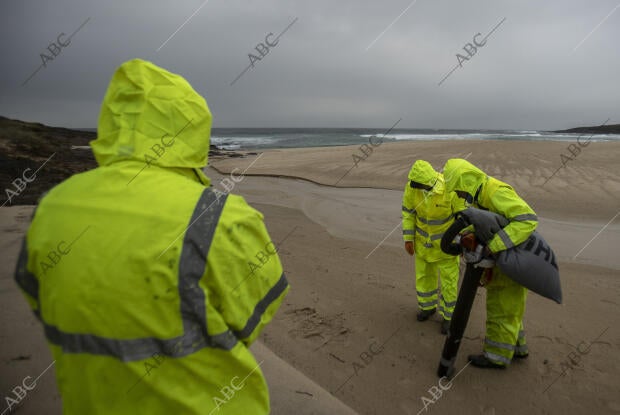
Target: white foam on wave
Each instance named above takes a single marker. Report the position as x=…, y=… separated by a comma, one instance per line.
x=234, y=143
x=424, y=136
x=524, y=135
x=229, y=146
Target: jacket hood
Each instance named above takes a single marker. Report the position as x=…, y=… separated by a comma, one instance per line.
x=422, y=172
x=147, y=109
x=460, y=174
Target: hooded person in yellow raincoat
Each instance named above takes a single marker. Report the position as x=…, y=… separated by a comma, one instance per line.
x=505, y=337
x=150, y=285
x=428, y=210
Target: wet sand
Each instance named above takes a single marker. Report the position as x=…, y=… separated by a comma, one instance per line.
x=347, y=330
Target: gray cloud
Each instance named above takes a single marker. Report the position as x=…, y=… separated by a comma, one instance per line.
x=320, y=74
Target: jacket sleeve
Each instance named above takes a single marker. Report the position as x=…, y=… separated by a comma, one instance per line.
x=457, y=203
x=26, y=280
x=523, y=219
x=245, y=280
x=409, y=214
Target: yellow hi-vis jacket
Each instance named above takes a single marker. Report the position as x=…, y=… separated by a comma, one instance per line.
x=427, y=215
x=491, y=194
x=149, y=284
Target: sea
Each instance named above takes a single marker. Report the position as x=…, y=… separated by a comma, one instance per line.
x=263, y=138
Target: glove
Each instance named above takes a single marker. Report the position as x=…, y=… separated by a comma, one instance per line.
x=467, y=240
x=480, y=257
x=409, y=247
x=473, y=257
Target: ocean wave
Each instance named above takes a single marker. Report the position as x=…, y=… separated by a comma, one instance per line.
x=228, y=146
x=423, y=136
x=296, y=138
x=517, y=135
x=235, y=143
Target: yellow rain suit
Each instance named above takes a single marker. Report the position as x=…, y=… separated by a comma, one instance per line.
x=505, y=298
x=149, y=284
x=426, y=216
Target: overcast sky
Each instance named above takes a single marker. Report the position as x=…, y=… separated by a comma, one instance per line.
x=343, y=63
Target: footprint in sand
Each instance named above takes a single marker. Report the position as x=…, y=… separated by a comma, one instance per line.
x=309, y=324
x=549, y=339
x=478, y=337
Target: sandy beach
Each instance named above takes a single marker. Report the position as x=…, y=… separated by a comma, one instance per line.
x=346, y=339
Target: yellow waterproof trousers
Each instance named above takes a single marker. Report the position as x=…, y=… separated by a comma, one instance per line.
x=427, y=277
x=505, y=308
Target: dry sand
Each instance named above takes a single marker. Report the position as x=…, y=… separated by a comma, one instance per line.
x=348, y=323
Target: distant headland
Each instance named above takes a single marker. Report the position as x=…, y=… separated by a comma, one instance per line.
x=597, y=129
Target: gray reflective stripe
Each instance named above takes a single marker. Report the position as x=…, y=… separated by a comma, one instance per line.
x=408, y=232
x=499, y=345
x=436, y=236
x=445, y=312
x=526, y=216
x=428, y=304
x=427, y=293
x=435, y=221
x=521, y=350
x=426, y=235
x=192, y=264
x=24, y=278
x=129, y=349
x=260, y=308
x=495, y=358
x=504, y=236
x=450, y=304
x=412, y=211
